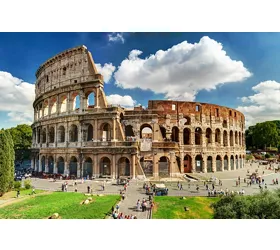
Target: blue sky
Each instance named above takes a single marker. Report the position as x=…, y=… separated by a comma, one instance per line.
x=238, y=70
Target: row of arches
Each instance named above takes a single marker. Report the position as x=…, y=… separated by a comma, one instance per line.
x=73, y=133
x=105, y=166
x=61, y=104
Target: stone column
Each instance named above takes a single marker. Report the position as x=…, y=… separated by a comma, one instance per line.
x=213, y=137
x=46, y=164
x=82, y=99
x=68, y=106
x=78, y=169
x=82, y=168
x=32, y=163
x=95, y=165
x=54, y=167
x=40, y=163
x=57, y=105
x=97, y=98
x=222, y=162
x=66, y=168
x=214, y=168
x=114, y=130
x=95, y=135
x=49, y=107
x=203, y=135
x=155, y=166
x=114, y=173
x=133, y=167
x=171, y=161
x=182, y=161
x=204, y=164
x=193, y=163
x=66, y=133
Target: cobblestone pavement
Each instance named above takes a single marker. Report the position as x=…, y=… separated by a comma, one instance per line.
x=135, y=189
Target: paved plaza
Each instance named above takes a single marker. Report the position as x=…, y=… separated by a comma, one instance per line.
x=135, y=189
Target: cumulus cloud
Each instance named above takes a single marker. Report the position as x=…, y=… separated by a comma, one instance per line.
x=182, y=70
x=106, y=70
x=262, y=106
x=16, y=98
x=125, y=101
x=116, y=37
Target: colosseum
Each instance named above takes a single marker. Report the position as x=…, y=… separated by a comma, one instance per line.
x=77, y=133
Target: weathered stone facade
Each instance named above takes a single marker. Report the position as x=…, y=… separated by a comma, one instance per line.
x=98, y=139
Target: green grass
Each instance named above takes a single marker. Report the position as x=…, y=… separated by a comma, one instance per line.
x=23, y=193
x=167, y=207
x=67, y=205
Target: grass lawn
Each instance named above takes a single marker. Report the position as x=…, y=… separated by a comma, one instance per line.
x=23, y=192
x=167, y=207
x=67, y=205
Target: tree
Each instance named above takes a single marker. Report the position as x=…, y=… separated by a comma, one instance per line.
x=11, y=153
x=6, y=162
x=22, y=138
x=265, y=134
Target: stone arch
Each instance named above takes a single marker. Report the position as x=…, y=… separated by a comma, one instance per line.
x=198, y=136
x=46, y=108
x=224, y=123
x=225, y=138
x=53, y=105
x=163, y=166
x=44, y=135
x=218, y=163
x=240, y=162
x=73, y=166
x=90, y=96
x=129, y=131
x=63, y=104
x=146, y=131
x=236, y=161
x=217, y=136
x=209, y=164
x=105, y=166
x=187, y=136
x=89, y=132
x=123, y=167
x=60, y=165
x=236, y=137
x=87, y=168
x=163, y=132
x=188, y=120
x=226, y=163
x=75, y=98
x=231, y=138
x=61, y=134
x=147, y=165
x=231, y=162
x=187, y=164
x=50, y=165
x=175, y=134
x=43, y=163
x=106, y=132
x=198, y=163
x=51, y=135
x=73, y=133
x=208, y=136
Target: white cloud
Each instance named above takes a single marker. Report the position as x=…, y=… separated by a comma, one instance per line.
x=181, y=71
x=116, y=37
x=16, y=97
x=125, y=101
x=106, y=70
x=264, y=105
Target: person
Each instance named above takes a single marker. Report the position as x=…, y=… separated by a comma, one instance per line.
x=75, y=183
x=197, y=188
x=33, y=191
x=123, y=196
x=138, y=204
x=112, y=209
x=276, y=181
x=62, y=187
x=76, y=190
x=117, y=208
x=181, y=186
x=265, y=186
x=178, y=184
x=18, y=193
x=206, y=186
x=213, y=186
x=88, y=189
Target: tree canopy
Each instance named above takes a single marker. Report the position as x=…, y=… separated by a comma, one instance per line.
x=265, y=205
x=263, y=135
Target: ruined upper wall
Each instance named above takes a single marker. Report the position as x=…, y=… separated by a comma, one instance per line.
x=71, y=66
x=175, y=108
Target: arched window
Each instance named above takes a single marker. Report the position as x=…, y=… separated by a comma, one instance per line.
x=91, y=100
x=175, y=134
x=89, y=132
x=61, y=134
x=208, y=135
x=106, y=132
x=187, y=136
x=51, y=135
x=105, y=166
x=198, y=136
x=218, y=135
x=163, y=132
x=163, y=166
x=146, y=131
x=73, y=133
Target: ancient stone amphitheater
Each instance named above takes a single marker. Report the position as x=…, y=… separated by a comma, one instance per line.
x=77, y=133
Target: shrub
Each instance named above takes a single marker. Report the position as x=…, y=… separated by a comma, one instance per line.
x=27, y=184
x=17, y=185
x=267, y=156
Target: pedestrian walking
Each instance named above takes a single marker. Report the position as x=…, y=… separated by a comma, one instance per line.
x=18, y=193
x=181, y=186
x=206, y=187
x=88, y=189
